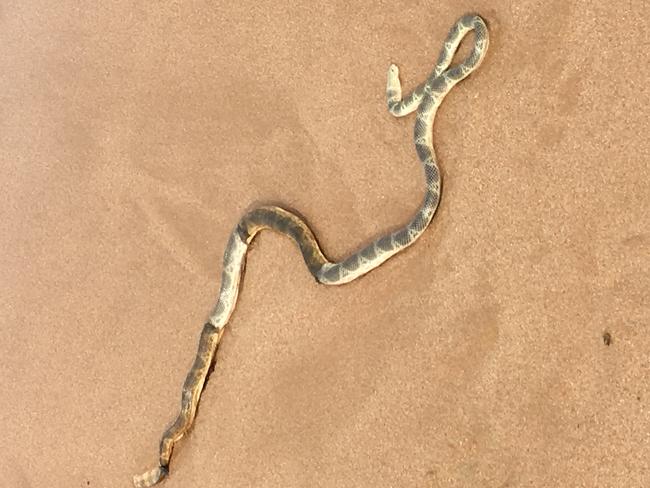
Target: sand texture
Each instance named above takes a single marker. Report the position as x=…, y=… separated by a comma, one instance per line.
x=133, y=135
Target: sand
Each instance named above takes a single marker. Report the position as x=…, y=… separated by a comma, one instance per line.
x=133, y=137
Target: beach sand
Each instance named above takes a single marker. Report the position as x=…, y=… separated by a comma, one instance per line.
x=509, y=347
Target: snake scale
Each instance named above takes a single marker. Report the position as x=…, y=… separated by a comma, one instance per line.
x=426, y=99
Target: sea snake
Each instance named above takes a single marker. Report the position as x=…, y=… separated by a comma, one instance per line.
x=426, y=99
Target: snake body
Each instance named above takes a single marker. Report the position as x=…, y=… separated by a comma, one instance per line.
x=426, y=99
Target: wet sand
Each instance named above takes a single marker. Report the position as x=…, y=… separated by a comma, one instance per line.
x=133, y=138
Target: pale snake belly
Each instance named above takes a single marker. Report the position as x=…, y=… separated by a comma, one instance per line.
x=426, y=99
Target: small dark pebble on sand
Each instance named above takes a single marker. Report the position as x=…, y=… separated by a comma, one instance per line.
x=607, y=338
